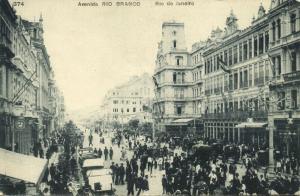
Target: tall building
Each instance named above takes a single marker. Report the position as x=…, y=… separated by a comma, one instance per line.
x=44, y=69
x=131, y=100
x=177, y=79
x=24, y=77
x=7, y=68
x=244, y=83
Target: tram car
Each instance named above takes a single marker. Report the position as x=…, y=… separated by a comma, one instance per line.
x=201, y=152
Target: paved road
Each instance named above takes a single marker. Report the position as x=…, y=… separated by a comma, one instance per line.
x=154, y=180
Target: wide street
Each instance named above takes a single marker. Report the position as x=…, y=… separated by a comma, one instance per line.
x=155, y=187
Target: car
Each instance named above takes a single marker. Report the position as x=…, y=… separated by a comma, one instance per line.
x=97, y=163
x=98, y=178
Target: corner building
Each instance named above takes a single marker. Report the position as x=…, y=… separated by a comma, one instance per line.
x=173, y=106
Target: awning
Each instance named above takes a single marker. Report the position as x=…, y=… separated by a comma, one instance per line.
x=22, y=167
x=182, y=121
x=251, y=125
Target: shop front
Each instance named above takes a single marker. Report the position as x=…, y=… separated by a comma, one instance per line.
x=25, y=134
x=287, y=137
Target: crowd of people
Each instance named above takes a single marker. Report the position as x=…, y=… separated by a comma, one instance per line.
x=184, y=174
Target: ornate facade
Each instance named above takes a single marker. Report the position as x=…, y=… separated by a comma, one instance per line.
x=25, y=112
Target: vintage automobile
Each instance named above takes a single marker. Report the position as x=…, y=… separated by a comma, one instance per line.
x=97, y=177
x=201, y=152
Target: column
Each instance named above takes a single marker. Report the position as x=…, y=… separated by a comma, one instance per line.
x=224, y=131
x=233, y=134
x=217, y=132
x=228, y=133
x=276, y=66
x=264, y=43
x=271, y=146
x=298, y=59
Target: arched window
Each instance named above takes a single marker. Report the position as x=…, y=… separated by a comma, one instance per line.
x=34, y=33
x=174, y=44
x=278, y=28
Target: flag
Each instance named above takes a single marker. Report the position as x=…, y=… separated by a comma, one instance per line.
x=223, y=65
x=155, y=81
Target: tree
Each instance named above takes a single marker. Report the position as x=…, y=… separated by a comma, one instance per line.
x=116, y=125
x=133, y=124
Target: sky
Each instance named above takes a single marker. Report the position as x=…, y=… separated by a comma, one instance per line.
x=93, y=49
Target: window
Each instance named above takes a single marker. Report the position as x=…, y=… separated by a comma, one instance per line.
x=266, y=41
x=279, y=28
x=261, y=44
x=179, y=93
x=235, y=81
x=230, y=82
x=225, y=57
x=241, y=79
x=127, y=109
x=279, y=64
x=240, y=52
x=174, y=77
x=294, y=99
x=246, y=78
x=179, y=60
x=250, y=48
x=281, y=100
x=293, y=61
x=274, y=31
x=226, y=81
x=261, y=73
x=255, y=46
x=293, y=23
x=178, y=109
x=245, y=51
x=134, y=109
x=174, y=44
x=255, y=68
x=174, y=33
x=230, y=56
x=115, y=101
x=235, y=54
x=267, y=70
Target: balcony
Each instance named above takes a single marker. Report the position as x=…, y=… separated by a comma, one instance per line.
x=6, y=47
x=293, y=76
x=236, y=115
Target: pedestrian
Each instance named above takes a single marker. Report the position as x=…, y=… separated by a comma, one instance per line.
x=52, y=171
x=117, y=174
x=111, y=152
x=160, y=162
x=105, y=153
x=130, y=184
x=164, y=183
x=90, y=140
x=113, y=170
x=41, y=152
x=139, y=184
x=99, y=153
x=121, y=173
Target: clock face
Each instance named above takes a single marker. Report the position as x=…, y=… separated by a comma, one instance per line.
x=20, y=124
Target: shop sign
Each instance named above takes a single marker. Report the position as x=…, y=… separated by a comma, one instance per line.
x=20, y=123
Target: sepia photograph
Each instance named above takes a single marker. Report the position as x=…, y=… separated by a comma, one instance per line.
x=149, y=97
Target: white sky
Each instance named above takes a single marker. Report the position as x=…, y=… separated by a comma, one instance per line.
x=93, y=49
